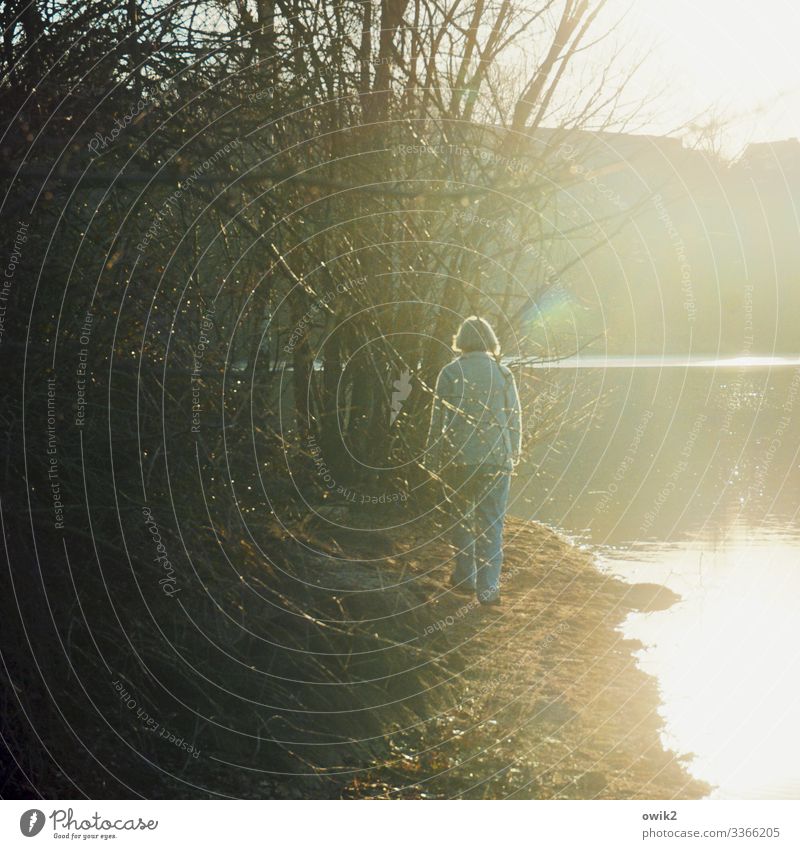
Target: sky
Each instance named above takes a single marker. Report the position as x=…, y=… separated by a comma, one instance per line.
x=739, y=59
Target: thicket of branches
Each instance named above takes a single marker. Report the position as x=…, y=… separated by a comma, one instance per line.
x=392, y=152
x=243, y=223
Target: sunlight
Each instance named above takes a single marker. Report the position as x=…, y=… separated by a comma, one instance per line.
x=736, y=60
x=728, y=657
x=667, y=361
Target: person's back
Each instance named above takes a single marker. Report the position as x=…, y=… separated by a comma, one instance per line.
x=478, y=406
x=474, y=441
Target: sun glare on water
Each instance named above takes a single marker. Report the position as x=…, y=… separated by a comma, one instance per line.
x=727, y=658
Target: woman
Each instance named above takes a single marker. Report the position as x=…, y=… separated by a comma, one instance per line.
x=474, y=442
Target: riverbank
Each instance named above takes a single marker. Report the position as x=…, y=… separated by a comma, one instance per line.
x=336, y=662
x=544, y=695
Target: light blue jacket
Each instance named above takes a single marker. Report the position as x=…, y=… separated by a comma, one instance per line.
x=475, y=420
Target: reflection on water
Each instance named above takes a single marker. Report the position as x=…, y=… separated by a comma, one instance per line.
x=665, y=361
x=689, y=477
x=728, y=657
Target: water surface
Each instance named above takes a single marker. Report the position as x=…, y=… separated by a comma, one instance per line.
x=686, y=472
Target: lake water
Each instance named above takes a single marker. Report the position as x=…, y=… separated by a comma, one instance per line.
x=686, y=472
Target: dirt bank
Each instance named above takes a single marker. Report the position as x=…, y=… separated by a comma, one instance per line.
x=545, y=696
x=335, y=661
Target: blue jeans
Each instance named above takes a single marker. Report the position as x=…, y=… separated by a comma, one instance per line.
x=480, y=497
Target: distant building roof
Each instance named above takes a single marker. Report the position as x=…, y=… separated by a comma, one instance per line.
x=773, y=156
